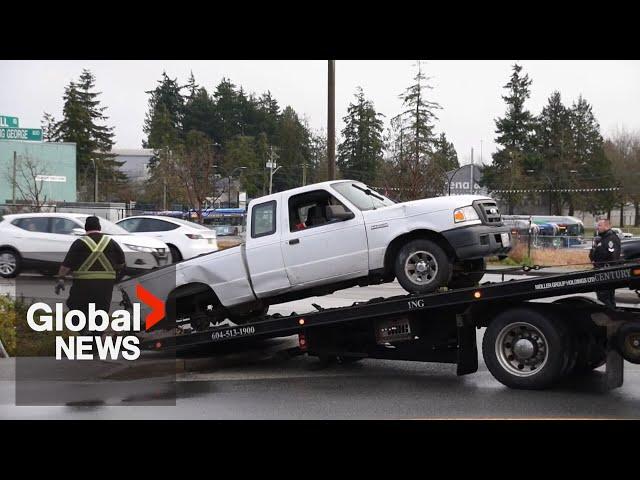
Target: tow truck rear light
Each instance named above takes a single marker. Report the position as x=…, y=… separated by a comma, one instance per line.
x=302, y=341
x=477, y=294
x=635, y=272
x=158, y=345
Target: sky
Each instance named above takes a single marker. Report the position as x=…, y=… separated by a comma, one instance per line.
x=469, y=91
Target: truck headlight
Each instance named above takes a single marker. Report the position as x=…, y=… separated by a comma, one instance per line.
x=137, y=248
x=465, y=214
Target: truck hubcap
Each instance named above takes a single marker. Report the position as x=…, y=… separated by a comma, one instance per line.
x=521, y=349
x=7, y=263
x=421, y=267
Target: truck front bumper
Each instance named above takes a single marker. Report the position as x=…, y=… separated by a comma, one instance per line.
x=478, y=241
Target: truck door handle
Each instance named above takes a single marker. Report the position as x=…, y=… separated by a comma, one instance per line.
x=295, y=241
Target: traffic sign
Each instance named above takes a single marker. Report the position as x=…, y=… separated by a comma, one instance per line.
x=8, y=122
x=30, y=134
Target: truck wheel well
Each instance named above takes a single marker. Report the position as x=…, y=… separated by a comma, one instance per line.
x=198, y=293
x=398, y=242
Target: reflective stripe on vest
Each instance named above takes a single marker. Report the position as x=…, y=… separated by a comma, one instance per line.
x=97, y=255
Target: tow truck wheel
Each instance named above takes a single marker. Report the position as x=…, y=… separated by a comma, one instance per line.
x=627, y=342
x=422, y=266
x=525, y=349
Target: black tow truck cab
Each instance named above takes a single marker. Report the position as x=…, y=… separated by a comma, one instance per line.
x=527, y=344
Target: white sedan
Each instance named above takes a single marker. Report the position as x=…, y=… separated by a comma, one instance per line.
x=185, y=239
x=40, y=241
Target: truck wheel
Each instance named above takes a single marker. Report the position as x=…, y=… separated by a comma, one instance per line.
x=470, y=276
x=627, y=342
x=422, y=266
x=525, y=349
x=10, y=263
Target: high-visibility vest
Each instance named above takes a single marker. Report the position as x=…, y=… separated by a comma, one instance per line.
x=97, y=255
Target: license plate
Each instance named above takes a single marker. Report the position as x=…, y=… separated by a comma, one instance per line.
x=506, y=241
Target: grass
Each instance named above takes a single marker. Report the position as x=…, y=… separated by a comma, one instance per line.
x=20, y=340
x=547, y=257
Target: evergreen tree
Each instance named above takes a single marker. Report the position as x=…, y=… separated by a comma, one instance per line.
x=292, y=149
x=590, y=160
x=556, y=166
x=163, y=121
x=411, y=166
x=83, y=124
x=445, y=155
x=199, y=112
x=515, y=132
x=49, y=128
x=360, y=153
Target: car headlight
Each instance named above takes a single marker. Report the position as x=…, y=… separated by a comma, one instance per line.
x=465, y=214
x=137, y=248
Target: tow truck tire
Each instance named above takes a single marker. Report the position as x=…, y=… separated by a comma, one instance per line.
x=471, y=276
x=627, y=342
x=526, y=349
x=422, y=266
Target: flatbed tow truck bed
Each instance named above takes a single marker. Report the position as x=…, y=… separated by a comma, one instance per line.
x=527, y=344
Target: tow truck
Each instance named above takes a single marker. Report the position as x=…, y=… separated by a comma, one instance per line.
x=527, y=344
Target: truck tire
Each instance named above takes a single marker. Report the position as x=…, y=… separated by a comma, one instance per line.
x=10, y=263
x=471, y=276
x=526, y=349
x=422, y=266
x=627, y=342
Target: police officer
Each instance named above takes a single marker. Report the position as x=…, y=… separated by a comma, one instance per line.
x=96, y=262
x=606, y=248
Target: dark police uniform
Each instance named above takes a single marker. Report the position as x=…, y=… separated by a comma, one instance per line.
x=606, y=248
x=95, y=260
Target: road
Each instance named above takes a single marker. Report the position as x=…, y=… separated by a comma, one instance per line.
x=263, y=385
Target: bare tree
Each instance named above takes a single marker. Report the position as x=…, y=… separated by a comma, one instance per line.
x=193, y=165
x=28, y=181
x=623, y=150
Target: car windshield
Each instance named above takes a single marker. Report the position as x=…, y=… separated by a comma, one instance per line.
x=361, y=196
x=108, y=228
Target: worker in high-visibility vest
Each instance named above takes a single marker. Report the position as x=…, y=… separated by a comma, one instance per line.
x=95, y=261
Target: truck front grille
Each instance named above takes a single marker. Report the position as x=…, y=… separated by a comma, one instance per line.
x=489, y=212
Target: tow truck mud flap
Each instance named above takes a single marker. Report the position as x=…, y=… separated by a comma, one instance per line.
x=467, y=346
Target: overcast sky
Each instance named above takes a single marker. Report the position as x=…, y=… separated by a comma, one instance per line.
x=469, y=91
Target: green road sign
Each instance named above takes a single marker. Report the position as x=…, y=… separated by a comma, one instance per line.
x=31, y=134
x=8, y=122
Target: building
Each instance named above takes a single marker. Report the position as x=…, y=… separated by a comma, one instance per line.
x=27, y=166
x=136, y=162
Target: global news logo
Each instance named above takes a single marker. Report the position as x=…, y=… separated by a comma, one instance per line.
x=91, y=345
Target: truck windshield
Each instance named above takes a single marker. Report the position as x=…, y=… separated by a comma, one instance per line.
x=361, y=196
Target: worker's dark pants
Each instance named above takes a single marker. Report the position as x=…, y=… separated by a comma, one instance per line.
x=84, y=292
x=608, y=297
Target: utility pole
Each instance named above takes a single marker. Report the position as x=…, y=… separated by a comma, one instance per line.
x=331, y=121
x=304, y=174
x=164, y=194
x=271, y=164
x=13, y=183
x=472, y=171
x=95, y=195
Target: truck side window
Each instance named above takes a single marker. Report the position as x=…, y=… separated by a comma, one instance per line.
x=310, y=209
x=263, y=219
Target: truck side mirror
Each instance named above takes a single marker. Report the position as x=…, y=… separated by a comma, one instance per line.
x=339, y=212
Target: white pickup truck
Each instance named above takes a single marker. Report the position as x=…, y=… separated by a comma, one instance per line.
x=328, y=236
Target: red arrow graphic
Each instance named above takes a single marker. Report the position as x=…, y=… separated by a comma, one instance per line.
x=157, y=306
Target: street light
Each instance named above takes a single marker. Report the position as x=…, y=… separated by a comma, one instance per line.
x=550, y=185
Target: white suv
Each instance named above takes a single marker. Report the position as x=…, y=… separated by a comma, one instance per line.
x=40, y=241
x=185, y=239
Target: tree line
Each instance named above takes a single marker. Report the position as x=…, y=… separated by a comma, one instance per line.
x=202, y=138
